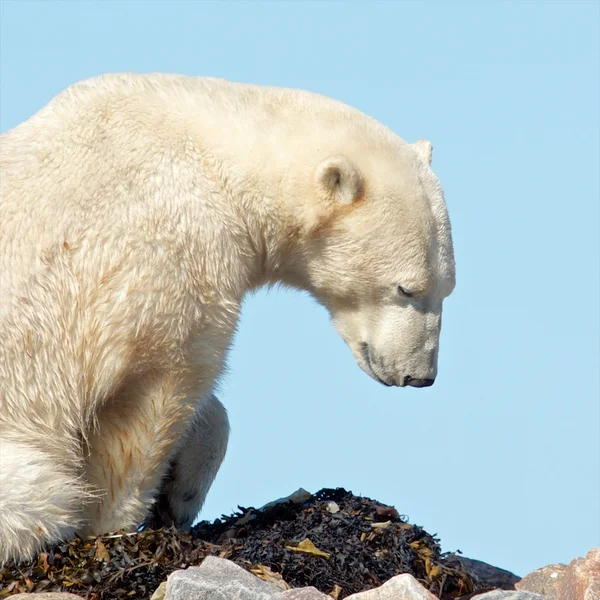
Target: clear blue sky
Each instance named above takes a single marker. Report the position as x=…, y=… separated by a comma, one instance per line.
x=502, y=456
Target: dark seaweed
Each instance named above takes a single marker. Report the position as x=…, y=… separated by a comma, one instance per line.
x=367, y=543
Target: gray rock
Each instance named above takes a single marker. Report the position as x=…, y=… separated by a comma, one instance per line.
x=484, y=575
x=297, y=497
x=400, y=587
x=218, y=579
x=307, y=593
x=509, y=595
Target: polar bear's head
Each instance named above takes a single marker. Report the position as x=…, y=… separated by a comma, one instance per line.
x=380, y=258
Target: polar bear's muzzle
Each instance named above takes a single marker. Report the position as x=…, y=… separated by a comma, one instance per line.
x=418, y=383
x=371, y=367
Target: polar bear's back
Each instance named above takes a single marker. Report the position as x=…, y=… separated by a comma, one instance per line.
x=208, y=96
x=93, y=149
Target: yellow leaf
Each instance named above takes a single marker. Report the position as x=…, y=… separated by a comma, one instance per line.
x=160, y=592
x=308, y=547
x=335, y=592
x=43, y=562
x=101, y=551
x=427, y=566
x=263, y=572
x=435, y=572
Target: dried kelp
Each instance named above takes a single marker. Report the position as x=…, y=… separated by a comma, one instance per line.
x=360, y=544
x=332, y=540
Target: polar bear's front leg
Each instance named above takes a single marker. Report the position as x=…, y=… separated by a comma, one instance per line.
x=194, y=467
x=137, y=432
x=42, y=493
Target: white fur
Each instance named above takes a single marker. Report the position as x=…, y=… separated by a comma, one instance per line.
x=38, y=495
x=136, y=212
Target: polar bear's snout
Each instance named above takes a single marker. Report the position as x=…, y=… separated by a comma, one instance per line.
x=418, y=383
x=396, y=345
x=376, y=369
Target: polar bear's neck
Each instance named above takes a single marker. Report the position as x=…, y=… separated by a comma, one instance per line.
x=228, y=163
x=257, y=145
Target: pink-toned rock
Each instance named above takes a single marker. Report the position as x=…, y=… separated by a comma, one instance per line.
x=400, y=587
x=543, y=581
x=593, y=555
x=593, y=591
x=46, y=596
x=579, y=580
x=307, y=593
x=507, y=595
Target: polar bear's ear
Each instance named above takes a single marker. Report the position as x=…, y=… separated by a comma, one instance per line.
x=424, y=149
x=339, y=179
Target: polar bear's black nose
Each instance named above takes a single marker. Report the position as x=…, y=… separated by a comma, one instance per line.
x=418, y=383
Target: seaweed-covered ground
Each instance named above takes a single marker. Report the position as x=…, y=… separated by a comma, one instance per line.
x=332, y=540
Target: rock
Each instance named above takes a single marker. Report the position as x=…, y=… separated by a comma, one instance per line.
x=400, y=587
x=483, y=574
x=385, y=513
x=543, y=581
x=593, y=591
x=509, y=595
x=160, y=592
x=297, y=497
x=308, y=593
x=217, y=579
x=581, y=580
x=47, y=596
x=220, y=579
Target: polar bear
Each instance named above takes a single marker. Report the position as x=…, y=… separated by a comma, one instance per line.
x=136, y=212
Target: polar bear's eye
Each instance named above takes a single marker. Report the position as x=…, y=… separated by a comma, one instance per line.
x=404, y=292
